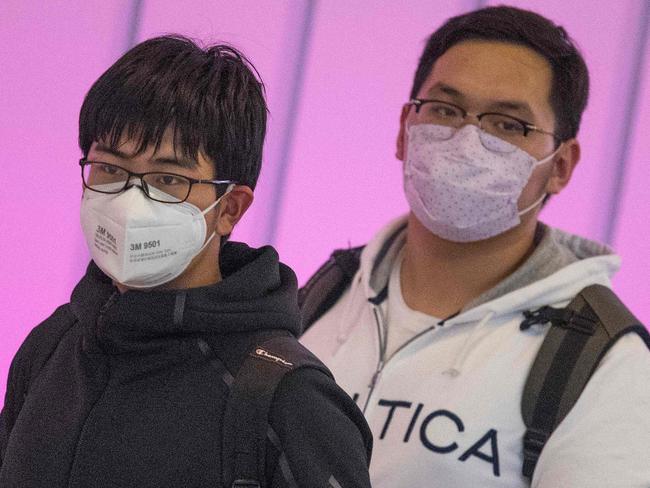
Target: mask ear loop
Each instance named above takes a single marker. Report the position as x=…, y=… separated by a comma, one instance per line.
x=540, y=199
x=216, y=202
x=549, y=157
x=228, y=190
x=530, y=207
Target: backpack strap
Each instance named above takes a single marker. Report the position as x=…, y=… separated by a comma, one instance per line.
x=246, y=425
x=580, y=336
x=327, y=285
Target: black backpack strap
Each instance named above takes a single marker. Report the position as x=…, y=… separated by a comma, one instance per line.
x=246, y=419
x=327, y=285
x=581, y=334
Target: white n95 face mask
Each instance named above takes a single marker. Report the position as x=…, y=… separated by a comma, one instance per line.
x=461, y=191
x=141, y=243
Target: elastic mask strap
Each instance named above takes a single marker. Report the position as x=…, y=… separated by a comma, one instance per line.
x=541, y=161
x=216, y=202
x=228, y=190
x=206, y=243
x=529, y=208
x=549, y=157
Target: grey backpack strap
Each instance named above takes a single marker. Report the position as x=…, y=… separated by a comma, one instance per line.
x=246, y=425
x=581, y=334
x=327, y=285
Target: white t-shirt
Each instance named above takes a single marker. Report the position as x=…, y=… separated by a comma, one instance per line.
x=403, y=323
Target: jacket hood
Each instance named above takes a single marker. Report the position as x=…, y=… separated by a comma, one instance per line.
x=561, y=266
x=257, y=293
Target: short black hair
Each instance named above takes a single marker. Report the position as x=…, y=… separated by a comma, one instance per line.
x=212, y=98
x=570, y=85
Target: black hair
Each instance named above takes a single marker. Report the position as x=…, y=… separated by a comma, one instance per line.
x=212, y=99
x=570, y=85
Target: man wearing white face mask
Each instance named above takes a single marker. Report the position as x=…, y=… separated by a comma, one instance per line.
x=175, y=364
x=468, y=331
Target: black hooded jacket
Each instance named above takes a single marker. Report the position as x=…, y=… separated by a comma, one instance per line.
x=113, y=390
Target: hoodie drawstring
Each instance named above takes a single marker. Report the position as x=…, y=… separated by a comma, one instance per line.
x=456, y=368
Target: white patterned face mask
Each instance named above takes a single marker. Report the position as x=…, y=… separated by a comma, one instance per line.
x=460, y=190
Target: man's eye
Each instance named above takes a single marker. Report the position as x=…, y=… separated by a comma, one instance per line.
x=446, y=112
x=507, y=126
x=105, y=168
x=169, y=180
x=443, y=111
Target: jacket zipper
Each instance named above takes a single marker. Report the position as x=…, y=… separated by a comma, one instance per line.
x=109, y=303
x=382, y=334
x=383, y=343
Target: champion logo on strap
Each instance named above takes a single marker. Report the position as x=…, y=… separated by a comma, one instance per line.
x=264, y=354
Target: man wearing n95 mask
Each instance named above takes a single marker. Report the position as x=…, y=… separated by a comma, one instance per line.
x=428, y=334
x=139, y=380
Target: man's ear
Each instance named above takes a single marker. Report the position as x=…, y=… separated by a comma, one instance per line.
x=399, y=153
x=232, y=208
x=563, y=166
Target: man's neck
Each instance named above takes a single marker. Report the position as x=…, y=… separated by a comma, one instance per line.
x=440, y=277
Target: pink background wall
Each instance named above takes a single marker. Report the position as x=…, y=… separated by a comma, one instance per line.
x=337, y=74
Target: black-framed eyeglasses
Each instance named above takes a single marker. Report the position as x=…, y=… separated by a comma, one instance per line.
x=505, y=127
x=157, y=185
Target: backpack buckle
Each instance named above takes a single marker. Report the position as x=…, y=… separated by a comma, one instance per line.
x=579, y=323
x=539, y=316
x=534, y=441
x=559, y=317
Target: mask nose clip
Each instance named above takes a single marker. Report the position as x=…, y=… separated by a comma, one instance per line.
x=139, y=183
